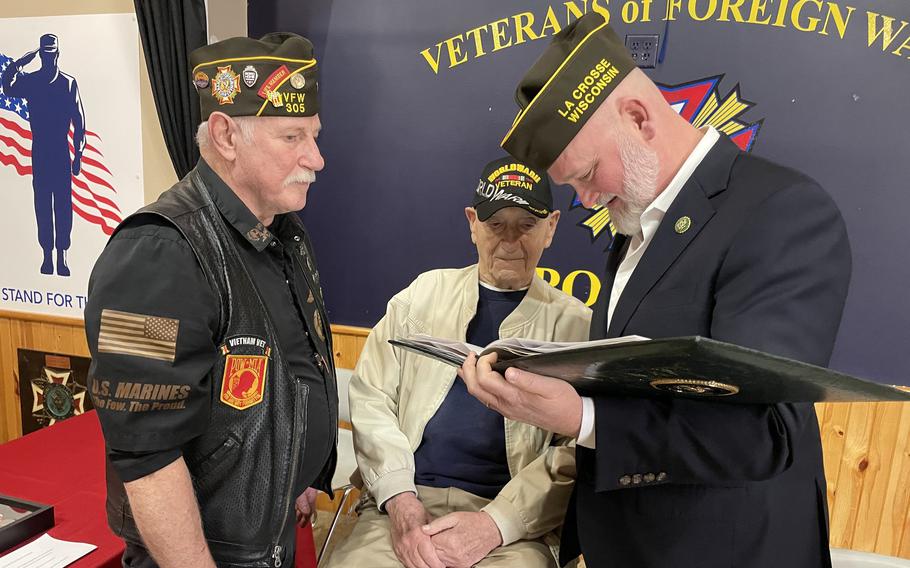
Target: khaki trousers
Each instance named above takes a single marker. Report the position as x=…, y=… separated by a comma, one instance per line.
x=370, y=543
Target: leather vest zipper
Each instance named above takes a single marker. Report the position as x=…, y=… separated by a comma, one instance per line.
x=301, y=402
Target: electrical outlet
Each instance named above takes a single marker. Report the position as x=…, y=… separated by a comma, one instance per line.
x=643, y=49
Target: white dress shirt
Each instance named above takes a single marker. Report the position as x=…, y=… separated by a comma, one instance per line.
x=649, y=222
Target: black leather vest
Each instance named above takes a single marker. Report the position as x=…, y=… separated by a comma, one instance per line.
x=243, y=466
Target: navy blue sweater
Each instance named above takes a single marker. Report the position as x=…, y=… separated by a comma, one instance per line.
x=464, y=442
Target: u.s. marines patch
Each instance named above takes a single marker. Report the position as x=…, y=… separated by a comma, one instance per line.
x=245, y=371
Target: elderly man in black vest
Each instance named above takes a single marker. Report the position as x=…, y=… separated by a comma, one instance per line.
x=211, y=356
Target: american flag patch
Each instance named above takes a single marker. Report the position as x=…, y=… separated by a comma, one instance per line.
x=137, y=334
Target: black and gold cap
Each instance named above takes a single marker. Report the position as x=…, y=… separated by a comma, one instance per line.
x=506, y=182
x=577, y=72
x=271, y=76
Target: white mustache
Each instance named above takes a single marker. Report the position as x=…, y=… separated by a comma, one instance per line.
x=305, y=176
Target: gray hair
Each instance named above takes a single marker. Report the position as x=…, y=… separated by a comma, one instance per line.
x=246, y=124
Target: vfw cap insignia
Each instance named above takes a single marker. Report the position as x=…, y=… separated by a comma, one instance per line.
x=250, y=76
x=225, y=85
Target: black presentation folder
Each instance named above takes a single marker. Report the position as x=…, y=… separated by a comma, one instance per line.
x=690, y=367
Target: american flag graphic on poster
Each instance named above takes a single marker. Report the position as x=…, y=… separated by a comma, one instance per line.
x=70, y=153
x=94, y=194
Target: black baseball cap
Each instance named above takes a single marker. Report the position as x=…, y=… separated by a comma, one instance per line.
x=506, y=182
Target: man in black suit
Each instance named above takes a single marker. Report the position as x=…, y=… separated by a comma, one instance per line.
x=717, y=243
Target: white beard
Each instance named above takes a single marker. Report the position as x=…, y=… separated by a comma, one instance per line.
x=640, y=167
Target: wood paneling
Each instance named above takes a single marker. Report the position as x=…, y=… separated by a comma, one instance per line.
x=348, y=343
x=867, y=463
x=866, y=445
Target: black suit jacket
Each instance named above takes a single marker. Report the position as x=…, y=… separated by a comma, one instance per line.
x=679, y=483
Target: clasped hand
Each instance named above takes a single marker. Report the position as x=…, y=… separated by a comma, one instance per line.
x=456, y=540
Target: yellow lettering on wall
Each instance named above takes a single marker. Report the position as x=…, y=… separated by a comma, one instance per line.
x=600, y=6
x=568, y=285
x=499, y=34
x=434, y=62
x=523, y=23
x=550, y=23
x=548, y=275
x=758, y=9
x=455, y=51
x=781, y=13
x=839, y=20
x=551, y=277
x=797, y=12
x=646, y=10
x=731, y=6
x=673, y=8
x=905, y=45
x=630, y=11
x=478, y=40
x=693, y=13
x=572, y=10
x=886, y=31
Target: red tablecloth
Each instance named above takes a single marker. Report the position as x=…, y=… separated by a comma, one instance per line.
x=63, y=466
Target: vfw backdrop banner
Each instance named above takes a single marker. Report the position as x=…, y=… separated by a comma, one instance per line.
x=417, y=95
x=70, y=153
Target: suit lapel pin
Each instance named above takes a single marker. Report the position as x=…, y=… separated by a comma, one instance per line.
x=683, y=224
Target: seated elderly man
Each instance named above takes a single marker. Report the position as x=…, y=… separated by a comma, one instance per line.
x=452, y=483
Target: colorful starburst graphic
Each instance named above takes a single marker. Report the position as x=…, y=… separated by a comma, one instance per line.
x=56, y=396
x=701, y=104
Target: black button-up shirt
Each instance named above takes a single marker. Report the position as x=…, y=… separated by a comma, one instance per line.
x=148, y=268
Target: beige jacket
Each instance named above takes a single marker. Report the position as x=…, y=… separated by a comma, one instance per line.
x=394, y=393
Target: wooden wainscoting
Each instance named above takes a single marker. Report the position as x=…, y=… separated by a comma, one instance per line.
x=19, y=330
x=348, y=342
x=867, y=464
x=866, y=445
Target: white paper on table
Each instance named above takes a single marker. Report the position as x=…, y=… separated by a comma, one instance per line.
x=46, y=552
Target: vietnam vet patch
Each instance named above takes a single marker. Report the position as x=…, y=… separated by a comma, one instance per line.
x=139, y=335
x=243, y=382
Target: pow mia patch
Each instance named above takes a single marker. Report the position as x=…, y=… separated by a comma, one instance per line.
x=246, y=362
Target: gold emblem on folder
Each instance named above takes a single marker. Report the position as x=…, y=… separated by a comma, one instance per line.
x=695, y=387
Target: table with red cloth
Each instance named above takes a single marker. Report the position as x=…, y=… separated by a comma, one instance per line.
x=63, y=466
